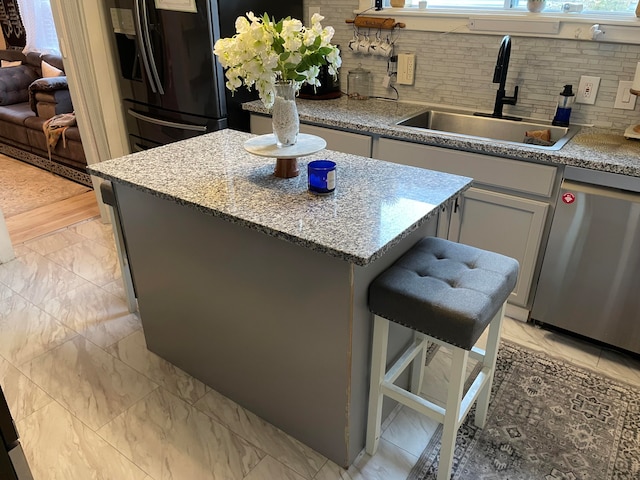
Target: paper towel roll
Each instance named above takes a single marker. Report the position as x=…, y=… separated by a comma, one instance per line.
x=635, y=87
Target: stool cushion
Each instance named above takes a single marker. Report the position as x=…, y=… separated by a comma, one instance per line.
x=444, y=289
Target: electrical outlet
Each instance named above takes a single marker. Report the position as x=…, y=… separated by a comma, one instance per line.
x=624, y=98
x=406, y=68
x=588, y=89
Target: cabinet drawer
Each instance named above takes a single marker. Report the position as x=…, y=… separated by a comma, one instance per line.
x=340, y=141
x=516, y=175
x=337, y=140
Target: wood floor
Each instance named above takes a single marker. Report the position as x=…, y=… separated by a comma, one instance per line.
x=49, y=218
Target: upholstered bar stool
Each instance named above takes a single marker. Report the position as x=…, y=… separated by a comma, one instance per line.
x=447, y=293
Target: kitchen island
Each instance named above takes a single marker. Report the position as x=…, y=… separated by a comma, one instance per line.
x=258, y=288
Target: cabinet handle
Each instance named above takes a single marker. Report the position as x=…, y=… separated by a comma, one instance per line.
x=456, y=205
x=166, y=123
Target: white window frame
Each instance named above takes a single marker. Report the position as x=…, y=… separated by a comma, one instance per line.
x=596, y=27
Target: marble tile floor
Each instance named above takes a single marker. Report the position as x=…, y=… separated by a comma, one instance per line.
x=91, y=402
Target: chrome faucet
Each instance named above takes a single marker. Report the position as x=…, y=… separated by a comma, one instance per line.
x=500, y=77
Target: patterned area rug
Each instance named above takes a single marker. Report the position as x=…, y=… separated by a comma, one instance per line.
x=548, y=420
x=24, y=187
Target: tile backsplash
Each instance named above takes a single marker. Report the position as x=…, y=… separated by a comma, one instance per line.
x=457, y=69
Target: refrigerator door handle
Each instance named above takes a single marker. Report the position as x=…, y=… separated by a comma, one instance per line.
x=149, y=48
x=141, y=44
x=166, y=123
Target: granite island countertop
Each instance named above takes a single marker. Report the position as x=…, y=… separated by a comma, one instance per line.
x=376, y=204
x=594, y=148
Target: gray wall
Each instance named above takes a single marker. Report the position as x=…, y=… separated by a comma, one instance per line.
x=457, y=69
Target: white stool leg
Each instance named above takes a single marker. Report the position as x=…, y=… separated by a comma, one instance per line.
x=378, y=371
x=417, y=366
x=490, y=358
x=452, y=413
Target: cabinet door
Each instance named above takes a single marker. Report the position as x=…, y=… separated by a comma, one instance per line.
x=337, y=140
x=504, y=224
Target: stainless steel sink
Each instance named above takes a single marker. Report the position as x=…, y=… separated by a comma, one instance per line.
x=500, y=130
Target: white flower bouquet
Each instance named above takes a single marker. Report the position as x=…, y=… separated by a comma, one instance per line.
x=264, y=52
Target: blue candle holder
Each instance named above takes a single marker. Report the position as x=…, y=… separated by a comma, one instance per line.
x=322, y=176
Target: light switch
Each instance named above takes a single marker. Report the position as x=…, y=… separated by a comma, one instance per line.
x=624, y=98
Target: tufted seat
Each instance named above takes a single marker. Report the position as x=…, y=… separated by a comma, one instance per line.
x=446, y=290
x=447, y=293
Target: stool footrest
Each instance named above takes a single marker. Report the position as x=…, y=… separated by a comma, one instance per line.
x=426, y=407
x=411, y=400
x=405, y=359
x=472, y=394
x=476, y=353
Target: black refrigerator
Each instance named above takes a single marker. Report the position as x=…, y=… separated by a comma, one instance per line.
x=171, y=83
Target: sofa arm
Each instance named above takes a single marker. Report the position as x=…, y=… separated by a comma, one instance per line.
x=14, y=84
x=50, y=96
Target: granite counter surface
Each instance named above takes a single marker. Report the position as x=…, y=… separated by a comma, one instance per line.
x=375, y=204
x=594, y=148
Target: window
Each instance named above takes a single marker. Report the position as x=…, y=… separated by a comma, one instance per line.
x=38, y=23
x=623, y=7
x=612, y=21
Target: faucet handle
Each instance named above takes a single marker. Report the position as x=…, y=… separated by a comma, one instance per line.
x=511, y=100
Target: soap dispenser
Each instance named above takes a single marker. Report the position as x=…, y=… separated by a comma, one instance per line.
x=563, y=111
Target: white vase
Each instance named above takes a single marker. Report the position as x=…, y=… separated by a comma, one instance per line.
x=284, y=116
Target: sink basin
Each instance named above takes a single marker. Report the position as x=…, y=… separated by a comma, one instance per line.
x=500, y=130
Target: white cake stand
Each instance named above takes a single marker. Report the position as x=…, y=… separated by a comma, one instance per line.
x=286, y=157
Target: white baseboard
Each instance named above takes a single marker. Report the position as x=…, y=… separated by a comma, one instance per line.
x=517, y=313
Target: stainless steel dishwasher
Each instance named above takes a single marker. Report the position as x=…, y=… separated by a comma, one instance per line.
x=590, y=278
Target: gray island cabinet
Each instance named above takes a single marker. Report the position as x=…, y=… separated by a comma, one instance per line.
x=257, y=287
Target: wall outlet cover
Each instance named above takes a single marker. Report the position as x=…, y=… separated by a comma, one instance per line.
x=406, y=68
x=587, y=90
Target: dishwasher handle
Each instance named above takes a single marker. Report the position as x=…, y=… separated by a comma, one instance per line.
x=602, y=178
x=596, y=190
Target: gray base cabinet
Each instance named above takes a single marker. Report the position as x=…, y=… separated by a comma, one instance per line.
x=506, y=211
x=281, y=329
x=505, y=224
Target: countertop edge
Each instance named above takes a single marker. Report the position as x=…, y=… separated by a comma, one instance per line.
x=309, y=244
x=338, y=113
